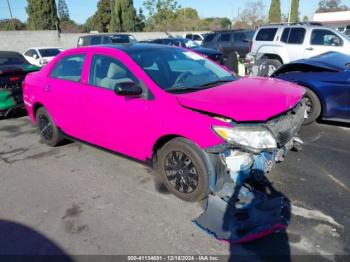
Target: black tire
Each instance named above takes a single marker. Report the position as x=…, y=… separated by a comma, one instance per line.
x=49, y=132
x=232, y=62
x=191, y=184
x=267, y=66
x=314, y=106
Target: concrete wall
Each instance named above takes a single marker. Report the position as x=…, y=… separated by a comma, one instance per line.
x=21, y=40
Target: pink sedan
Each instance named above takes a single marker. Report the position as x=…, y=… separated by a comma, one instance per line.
x=196, y=123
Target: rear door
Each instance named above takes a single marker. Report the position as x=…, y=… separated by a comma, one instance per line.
x=241, y=43
x=322, y=41
x=64, y=94
x=293, y=39
x=225, y=42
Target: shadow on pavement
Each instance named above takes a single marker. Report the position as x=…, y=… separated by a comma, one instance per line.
x=21, y=243
x=274, y=245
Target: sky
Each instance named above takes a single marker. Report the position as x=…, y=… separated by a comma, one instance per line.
x=80, y=10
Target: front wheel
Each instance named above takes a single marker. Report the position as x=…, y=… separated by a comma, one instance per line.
x=49, y=132
x=183, y=171
x=313, y=106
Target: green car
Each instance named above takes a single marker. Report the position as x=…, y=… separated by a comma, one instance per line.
x=13, y=69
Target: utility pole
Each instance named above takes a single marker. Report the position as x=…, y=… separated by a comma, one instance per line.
x=184, y=19
x=290, y=10
x=13, y=22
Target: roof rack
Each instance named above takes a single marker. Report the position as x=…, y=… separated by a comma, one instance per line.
x=298, y=23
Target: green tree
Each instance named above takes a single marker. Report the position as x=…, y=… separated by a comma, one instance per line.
x=330, y=6
x=62, y=9
x=140, y=21
x=275, y=11
x=101, y=19
x=42, y=15
x=162, y=13
x=123, y=16
x=294, y=14
x=305, y=19
x=11, y=24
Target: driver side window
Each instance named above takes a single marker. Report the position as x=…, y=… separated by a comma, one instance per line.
x=107, y=72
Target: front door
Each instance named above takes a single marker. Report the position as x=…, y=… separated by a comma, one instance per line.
x=114, y=122
x=322, y=41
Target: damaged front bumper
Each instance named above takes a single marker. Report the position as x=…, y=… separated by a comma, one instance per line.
x=236, y=166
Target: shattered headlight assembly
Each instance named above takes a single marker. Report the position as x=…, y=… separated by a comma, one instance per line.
x=252, y=138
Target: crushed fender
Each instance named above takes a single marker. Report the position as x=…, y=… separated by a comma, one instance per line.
x=243, y=214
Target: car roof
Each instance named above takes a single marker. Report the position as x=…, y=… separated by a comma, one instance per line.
x=130, y=47
x=105, y=34
x=45, y=47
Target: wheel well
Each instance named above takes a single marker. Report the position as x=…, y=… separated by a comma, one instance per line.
x=36, y=108
x=321, y=101
x=273, y=56
x=161, y=142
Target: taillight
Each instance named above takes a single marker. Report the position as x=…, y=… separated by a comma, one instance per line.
x=14, y=78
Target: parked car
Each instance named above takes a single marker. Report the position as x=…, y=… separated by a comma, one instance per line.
x=99, y=39
x=326, y=79
x=212, y=54
x=196, y=37
x=278, y=44
x=13, y=69
x=230, y=41
x=169, y=106
x=40, y=56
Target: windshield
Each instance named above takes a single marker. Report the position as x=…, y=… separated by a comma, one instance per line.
x=49, y=52
x=12, y=59
x=123, y=39
x=178, y=70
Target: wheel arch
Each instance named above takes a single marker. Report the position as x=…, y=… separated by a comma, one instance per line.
x=315, y=91
x=272, y=56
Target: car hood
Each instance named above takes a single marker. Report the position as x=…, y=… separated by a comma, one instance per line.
x=248, y=99
x=329, y=61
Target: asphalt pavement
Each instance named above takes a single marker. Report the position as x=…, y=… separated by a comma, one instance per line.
x=83, y=201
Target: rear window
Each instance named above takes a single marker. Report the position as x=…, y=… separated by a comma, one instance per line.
x=293, y=35
x=266, y=34
x=69, y=68
x=225, y=37
x=12, y=59
x=95, y=40
x=209, y=37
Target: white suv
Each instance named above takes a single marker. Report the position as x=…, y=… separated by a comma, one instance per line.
x=274, y=45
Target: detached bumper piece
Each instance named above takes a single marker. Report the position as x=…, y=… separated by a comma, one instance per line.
x=247, y=206
x=225, y=221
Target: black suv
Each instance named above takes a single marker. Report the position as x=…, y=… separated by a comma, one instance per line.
x=230, y=41
x=100, y=39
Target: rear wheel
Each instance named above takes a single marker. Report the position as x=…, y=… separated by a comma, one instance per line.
x=183, y=171
x=49, y=132
x=313, y=106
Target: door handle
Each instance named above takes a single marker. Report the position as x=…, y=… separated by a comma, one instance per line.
x=309, y=49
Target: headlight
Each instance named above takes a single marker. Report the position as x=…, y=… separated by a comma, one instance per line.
x=254, y=138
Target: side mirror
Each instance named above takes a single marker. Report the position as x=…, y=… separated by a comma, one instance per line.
x=35, y=56
x=127, y=89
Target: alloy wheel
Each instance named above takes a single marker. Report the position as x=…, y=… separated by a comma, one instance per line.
x=181, y=172
x=45, y=128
